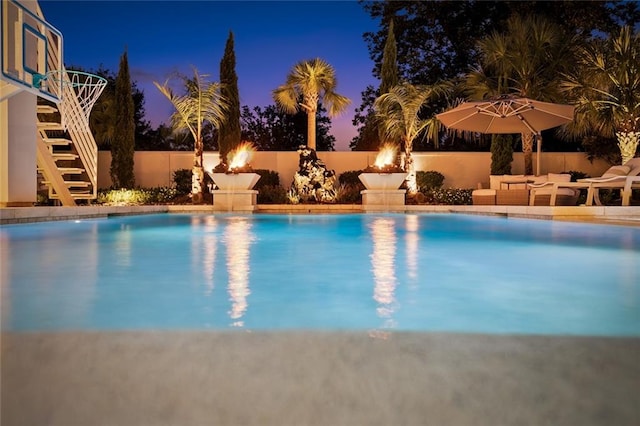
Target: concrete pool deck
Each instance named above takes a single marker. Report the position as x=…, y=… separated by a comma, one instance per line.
x=628, y=215
x=317, y=378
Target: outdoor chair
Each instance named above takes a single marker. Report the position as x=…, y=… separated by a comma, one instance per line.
x=542, y=189
x=625, y=178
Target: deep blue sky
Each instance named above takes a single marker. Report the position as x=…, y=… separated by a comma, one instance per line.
x=162, y=37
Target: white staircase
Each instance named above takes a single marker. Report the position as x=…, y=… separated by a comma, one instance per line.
x=67, y=152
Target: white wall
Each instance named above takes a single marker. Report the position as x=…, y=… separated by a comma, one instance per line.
x=460, y=169
x=18, y=164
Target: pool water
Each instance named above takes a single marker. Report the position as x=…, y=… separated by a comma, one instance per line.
x=413, y=272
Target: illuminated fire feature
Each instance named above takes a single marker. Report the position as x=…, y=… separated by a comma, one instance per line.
x=386, y=156
x=239, y=157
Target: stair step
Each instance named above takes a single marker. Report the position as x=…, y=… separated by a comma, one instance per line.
x=72, y=183
x=86, y=195
x=70, y=170
x=56, y=141
x=47, y=109
x=50, y=125
x=64, y=156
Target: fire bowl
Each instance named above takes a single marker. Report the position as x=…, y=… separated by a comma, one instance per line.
x=382, y=180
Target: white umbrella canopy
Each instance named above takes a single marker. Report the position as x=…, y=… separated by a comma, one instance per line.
x=507, y=114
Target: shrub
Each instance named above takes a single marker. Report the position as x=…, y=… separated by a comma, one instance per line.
x=272, y=194
x=348, y=194
x=429, y=180
x=267, y=178
x=501, y=154
x=576, y=175
x=138, y=196
x=182, y=181
x=350, y=177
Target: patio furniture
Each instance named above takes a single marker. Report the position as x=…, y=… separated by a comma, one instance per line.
x=484, y=197
x=542, y=188
x=624, y=177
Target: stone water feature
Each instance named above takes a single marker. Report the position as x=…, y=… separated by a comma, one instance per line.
x=313, y=181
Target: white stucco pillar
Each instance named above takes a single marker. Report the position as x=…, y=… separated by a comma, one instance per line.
x=18, y=166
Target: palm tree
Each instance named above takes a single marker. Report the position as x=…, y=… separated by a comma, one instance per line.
x=398, y=114
x=202, y=103
x=606, y=89
x=311, y=81
x=524, y=61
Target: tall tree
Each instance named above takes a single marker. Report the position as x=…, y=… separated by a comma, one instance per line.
x=229, y=131
x=523, y=60
x=313, y=81
x=436, y=40
x=606, y=89
x=102, y=118
x=398, y=112
x=370, y=135
x=123, y=143
x=201, y=104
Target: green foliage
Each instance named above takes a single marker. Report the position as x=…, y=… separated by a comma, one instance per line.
x=575, y=175
x=271, y=129
x=315, y=82
x=229, y=131
x=267, y=178
x=272, y=194
x=182, y=181
x=501, y=154
x=138, y=196
x=123, y=143
x=350, y=177
x=348, y=193
x=429, y=180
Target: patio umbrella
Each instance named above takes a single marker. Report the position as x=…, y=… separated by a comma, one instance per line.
x=508, y=114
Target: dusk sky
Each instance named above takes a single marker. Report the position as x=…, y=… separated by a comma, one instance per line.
x=162, y=37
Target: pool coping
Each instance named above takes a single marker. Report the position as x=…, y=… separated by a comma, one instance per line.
x=621, y=215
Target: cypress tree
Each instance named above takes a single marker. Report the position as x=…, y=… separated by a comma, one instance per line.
x=229, y=131
x=501, y=154
x=389, y=70
x=123, y=143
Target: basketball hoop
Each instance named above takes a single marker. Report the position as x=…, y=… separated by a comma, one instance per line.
x=86, y=87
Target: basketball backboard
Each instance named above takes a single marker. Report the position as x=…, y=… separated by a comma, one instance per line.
x=31, y=49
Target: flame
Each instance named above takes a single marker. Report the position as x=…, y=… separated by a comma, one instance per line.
x=240, y=156
x=386, y=155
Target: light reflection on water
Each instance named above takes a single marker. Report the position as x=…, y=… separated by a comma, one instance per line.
x=369, y=272
x=383, y=267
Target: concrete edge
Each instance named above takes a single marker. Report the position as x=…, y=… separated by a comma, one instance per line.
x=599, y=214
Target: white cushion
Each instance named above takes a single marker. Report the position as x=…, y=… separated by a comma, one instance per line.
x=617, y=171
x=633, y=163
x=513, y=178
x=559, y=177
x=548, y=189
x=540, y=179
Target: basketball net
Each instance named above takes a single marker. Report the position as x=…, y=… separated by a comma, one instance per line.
x=86, y=87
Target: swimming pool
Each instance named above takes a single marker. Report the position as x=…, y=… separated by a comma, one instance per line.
x=411, y=272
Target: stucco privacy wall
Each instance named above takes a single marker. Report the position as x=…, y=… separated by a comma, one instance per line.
x=460, y=169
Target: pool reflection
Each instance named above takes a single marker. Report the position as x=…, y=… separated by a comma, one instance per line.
x=383, y=257
x=238, y=238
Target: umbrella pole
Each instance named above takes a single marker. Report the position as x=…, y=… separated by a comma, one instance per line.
x=538, y=151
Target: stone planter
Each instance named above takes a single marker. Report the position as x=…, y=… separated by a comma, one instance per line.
x=235, y=191
x=382, y=190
